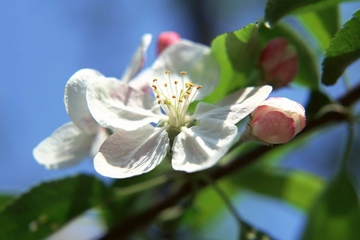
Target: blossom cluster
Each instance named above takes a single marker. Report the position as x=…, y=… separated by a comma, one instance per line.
x=130, y=126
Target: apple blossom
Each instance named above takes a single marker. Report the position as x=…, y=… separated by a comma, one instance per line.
x=277, y=120
x=82, y=137
x=278, y=63
x=144, y=136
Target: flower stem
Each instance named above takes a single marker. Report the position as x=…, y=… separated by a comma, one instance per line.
x=350, y=138
x=346, y=80
x=246, y=229
x=348, y=146
x=156, y=181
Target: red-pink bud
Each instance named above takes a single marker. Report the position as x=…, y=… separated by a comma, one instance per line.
x=278, y=63
x=276, y=120
x=166, y=39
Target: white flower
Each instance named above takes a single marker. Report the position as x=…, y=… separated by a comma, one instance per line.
x=83, y=137
x=144, y=136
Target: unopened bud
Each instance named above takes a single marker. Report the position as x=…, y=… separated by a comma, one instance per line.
x=166, y=39
x=277, y=120
x=278, y=63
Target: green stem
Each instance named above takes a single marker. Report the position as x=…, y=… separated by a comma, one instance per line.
x=123, y=191
x=243, y=225
x=350, y=138
x=348, y=146
x=357, y=118
x=347, y=81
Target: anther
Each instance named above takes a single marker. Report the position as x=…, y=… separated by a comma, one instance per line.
x=167, y=72
x=159, y=101
x=154, y=80
x=176, y=82
x=173, y=96
x=165, y=84
x=182, y=72
x=154, y=87
x=198, y=87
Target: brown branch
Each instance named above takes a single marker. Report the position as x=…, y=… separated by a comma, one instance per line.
x=350, y=97
x=133, y=223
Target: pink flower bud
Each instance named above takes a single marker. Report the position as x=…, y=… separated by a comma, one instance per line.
x=276, y=120
x=166, y=39
x=278, y=63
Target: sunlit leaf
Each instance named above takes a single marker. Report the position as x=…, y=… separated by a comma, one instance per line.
x=296, y=187
x=47, y=207
x=336, y=215
x=276, y=9
x=322, y=24
x=344, y=49
x=237, y=53
x=308, y=73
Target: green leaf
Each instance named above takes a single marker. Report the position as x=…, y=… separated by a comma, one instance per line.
x=237, y=53
x=47, y=207
x=296, y=187
x=207, y=204
x=337, y=214
x=308, y=73
x=4, y=200
x=276, y=9
x=322, y=24
x=344, y=49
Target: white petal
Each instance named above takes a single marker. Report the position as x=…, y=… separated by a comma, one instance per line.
x=75, y=100
x=67, y=146
x=193, y=58
x=202, y=107
x=249, y=100
x=141, y=81
x=242, y=94
x=100, y=138
x=200, y=147
x=116, y=105
x=285, y=104
x=126, y=154
x=137, y=59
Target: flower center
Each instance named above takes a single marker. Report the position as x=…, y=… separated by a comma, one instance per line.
x=174, y=97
